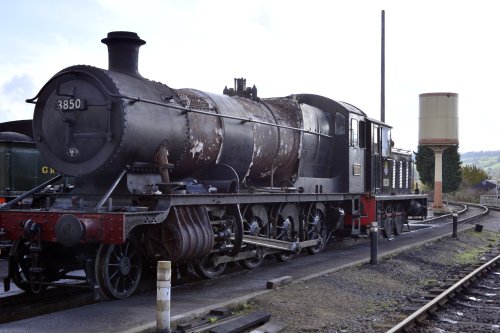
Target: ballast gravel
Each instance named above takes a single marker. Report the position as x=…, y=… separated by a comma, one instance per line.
x=362, y=298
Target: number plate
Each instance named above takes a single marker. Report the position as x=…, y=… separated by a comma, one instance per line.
x=71, y=104
x=356, y=169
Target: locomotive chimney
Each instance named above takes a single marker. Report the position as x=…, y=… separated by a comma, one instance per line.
x=123, y=52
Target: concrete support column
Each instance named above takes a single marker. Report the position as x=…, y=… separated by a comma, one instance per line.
x=438, y=178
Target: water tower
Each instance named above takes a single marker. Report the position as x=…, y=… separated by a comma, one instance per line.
x=438, y=129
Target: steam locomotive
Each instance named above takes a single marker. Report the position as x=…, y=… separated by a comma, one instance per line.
x=194, y=177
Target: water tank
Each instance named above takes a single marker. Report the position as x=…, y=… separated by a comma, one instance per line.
x=438, y=119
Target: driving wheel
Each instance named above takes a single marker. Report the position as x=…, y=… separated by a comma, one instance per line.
x=207, y=267
x=118, y=268
x=286, y=218
x=255, y=224
x=316, y=229
x=399, y=219
x=20, y=266
x=388, y=223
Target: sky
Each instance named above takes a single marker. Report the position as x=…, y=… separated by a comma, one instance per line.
x=325, y=47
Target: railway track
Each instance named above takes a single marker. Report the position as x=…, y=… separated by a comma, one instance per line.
x=21, y=306
x=466, y=213
x=468, y=303
x=495, y=208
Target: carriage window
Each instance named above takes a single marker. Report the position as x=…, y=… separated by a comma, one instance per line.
x=354, y=137
x=362, y=134
x=339, y=124
x=375, y=145
x=386, y=142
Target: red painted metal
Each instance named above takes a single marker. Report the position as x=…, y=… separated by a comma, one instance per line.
x=103, y=228
x=369, y=213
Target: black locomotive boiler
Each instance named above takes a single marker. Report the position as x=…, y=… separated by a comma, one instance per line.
x=194, y=177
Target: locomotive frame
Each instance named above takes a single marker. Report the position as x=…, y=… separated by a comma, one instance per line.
x=194, y=177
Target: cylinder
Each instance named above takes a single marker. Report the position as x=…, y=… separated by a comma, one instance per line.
x=163, y=284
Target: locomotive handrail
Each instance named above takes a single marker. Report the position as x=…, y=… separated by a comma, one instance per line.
x=111, y=189
x=243, y=120
x=169, y=105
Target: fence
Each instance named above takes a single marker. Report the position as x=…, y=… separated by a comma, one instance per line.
x=490, y=200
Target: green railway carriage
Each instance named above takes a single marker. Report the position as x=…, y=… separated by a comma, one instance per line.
x=21, y=167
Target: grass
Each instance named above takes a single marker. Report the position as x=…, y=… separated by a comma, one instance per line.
x=428, y=283
x=470, y=256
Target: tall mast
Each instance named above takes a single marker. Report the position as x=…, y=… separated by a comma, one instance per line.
x=382, y=71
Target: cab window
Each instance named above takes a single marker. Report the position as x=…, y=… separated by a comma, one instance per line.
x=375, y=140
x=386, y=142
x=339, y=124
x=354, y=133
x=362, y=134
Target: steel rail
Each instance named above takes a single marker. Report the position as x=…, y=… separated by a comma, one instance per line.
x=441, y=298
x=470, y=218
x=460, y=212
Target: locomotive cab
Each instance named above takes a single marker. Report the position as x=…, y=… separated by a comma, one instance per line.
x=378, y=155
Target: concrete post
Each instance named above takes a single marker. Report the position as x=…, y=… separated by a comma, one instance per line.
x=438, y=178
x=374, y=243
x=163, y=283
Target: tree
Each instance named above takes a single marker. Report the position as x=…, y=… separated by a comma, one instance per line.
x=472, y=175
x=451, y=167
x=425, y=165
x=452, y=177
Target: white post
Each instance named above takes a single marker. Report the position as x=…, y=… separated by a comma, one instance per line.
x=163, y=283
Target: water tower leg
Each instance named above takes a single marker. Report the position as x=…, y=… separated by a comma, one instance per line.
x=438, y=178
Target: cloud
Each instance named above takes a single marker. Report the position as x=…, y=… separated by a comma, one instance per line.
x=13, y=94
x=18, y=86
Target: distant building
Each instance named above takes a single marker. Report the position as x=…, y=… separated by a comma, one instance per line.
x=486, y=185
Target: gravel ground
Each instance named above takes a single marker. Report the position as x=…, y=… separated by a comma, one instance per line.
x=358, y=298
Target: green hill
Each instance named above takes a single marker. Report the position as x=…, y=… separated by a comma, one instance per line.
x=488, y=160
